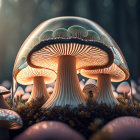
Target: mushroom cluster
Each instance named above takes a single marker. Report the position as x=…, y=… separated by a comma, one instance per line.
x=61, y=47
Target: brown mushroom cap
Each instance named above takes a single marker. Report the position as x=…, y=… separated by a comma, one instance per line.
x=10, y=119
x=4, y=91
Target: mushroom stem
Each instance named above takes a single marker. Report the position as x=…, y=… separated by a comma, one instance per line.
x=4, y=134
x=39, y=92
x=67, y=89
x=3, y=103
x=105, y=91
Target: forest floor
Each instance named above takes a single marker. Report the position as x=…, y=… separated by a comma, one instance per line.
x=87, y=120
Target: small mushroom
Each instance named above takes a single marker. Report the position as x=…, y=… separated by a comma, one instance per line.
x=26, y=96
x=91, y=91
x=3, y=91
x=8, y=120
x=49, y=130
x=6, y=84
x=124, y=88
x=19, y=93
x=29, y=88
x=123, y=128
x=37, y=77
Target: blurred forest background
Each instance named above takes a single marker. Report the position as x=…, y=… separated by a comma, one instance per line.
x=120, y=18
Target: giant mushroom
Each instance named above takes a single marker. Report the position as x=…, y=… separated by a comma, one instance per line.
x=66, y=51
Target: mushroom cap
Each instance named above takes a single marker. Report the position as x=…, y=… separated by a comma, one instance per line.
x=90, y=87
x=90, y=81
x=69, y=37
x=6, y=84
x=123, y=87
x=4, y=90
x=49, y=130
x=10, y=119
x=19, y=91
x=124, y=128
x=29, y=88
x=26, y=75
x=26, y=96
x=116, y=71
x=23, y=73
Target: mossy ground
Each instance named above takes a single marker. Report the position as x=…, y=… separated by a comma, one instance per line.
x=87, y=120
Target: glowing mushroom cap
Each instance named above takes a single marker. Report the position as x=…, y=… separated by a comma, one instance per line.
x=26, y=75
x=23, y=73
x=4, y=91
x=49, y=130
x=72, y=36
x=124, y=128
x=117, y=72
x=123, y=87
x=10, y=119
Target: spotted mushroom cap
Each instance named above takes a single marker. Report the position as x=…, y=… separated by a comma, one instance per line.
x=49, y=130
x=10, y=119
x=118, y=71
x=4, y=90
x=73, y=36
